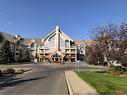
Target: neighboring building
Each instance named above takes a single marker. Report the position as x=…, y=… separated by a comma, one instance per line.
x=16, y=44
x=81, y=45
x=55, y=47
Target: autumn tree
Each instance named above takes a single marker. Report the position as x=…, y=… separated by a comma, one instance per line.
x=111, y=40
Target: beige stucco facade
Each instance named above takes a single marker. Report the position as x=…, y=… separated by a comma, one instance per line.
x=55, y=47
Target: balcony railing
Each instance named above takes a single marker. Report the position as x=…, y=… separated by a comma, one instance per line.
x=46, y=51
x=43, y=47
x=32, y=48
x=71, y=47
x=70, y=51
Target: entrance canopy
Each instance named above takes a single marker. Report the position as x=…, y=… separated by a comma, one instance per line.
x=57, y=57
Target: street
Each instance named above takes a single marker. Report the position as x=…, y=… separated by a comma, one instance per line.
x=44, y=79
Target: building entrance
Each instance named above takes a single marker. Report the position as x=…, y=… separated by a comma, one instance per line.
x=56, y=57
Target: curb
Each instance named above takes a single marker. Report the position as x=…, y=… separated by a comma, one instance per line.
x=96, y=66
x=76, y=86
x=68, y=85
x=29, y=70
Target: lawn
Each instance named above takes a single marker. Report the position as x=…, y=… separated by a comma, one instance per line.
x=104, y=83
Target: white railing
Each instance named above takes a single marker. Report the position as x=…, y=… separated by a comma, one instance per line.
x=71, y=47
x=33, y=48
x=43, y=47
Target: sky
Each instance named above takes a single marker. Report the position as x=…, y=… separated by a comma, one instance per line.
x=77, y=18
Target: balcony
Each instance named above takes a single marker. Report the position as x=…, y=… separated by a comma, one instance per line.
x=67, y=50
x=17, y=49
x=43, y=47
x=71, y=47
x=46, y=51
x=32, y=48
x=73, y=55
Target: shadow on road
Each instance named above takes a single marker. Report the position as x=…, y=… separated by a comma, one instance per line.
x=17, y=81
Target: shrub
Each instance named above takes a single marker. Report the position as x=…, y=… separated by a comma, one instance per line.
x=10, y=71
x=20, y=71
x=4, y=72
x=115, y=70
x=0, y=73
x=125, y=69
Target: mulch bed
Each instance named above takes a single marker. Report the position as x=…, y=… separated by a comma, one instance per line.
x=120, y=91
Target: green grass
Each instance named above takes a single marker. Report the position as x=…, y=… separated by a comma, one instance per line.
x=104, y=83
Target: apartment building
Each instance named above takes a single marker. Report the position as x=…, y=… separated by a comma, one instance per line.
x=16, y=44
x=55, y=47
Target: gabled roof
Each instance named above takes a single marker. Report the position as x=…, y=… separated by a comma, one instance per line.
x=60, y=31
x=27, y=41
x=39, y=41
x=87, y=42
x=51, y=33
x=66, y=36
x=8, y=37
x=56, y=53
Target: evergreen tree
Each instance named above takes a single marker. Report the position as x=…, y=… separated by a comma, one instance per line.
x=0, y=56
x=27, y=56
x=1, y=40
x=6, y=53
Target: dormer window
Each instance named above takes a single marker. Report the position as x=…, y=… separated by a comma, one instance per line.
x=32, y=45
x=81, y=45
x=72, y=43
x=17, y=37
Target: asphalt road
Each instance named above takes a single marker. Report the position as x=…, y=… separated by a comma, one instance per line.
x=44, y=79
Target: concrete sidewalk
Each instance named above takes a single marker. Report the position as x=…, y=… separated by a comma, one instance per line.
x=77, y=86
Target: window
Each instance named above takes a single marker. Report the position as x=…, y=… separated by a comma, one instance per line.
x=72, y=50
x=62, y=42
x=67, y=50
x=72, y=55
x=67, y=43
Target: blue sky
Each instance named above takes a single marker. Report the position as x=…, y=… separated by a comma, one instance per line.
x=36, y=18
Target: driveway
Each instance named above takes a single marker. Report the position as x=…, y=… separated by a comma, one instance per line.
x=44, y=79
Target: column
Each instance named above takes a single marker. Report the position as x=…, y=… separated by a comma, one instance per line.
x=57, y=40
